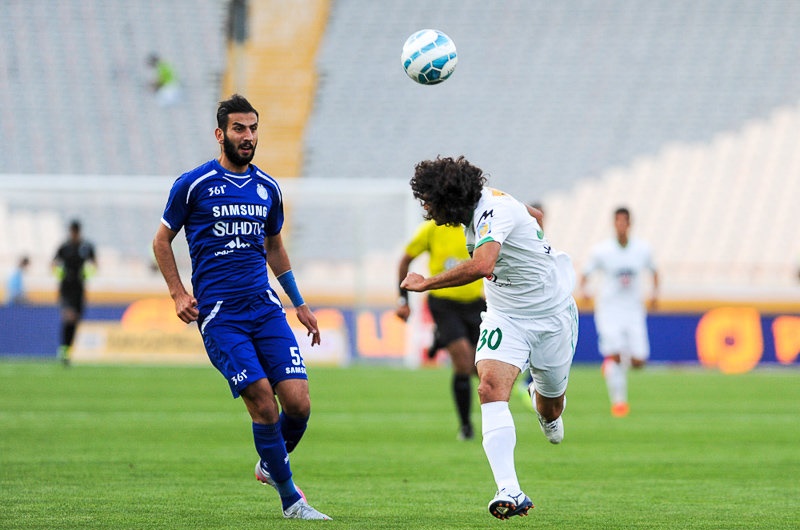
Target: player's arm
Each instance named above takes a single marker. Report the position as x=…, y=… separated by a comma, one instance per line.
x=582, y=284
x=480, y=265
x=654, y=295
x=536, y=213
x=281, y=267
x=588, y=269
x=185, y=303
x=57, y=265
x=403, y=310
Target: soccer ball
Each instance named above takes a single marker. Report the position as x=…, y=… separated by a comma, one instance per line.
x=429, y=57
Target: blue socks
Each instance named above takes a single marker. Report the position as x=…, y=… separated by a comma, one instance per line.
x=292, y=429
x=272, y=450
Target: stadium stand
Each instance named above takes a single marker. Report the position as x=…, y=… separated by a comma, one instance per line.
x=79, y=69
x=275, y=67
x=687, y=111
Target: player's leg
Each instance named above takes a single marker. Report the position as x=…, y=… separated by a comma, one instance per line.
x=554, y=339
x=295, y=410
x=71, y=301
x=231, y=351
x=452, y=329
x=234, y=356
x=500, y=437
x=270, y=446
x=615, y=373
x=639, y=342
x=523, y=386
x=279, y=356
x=462, y=356
x=611, y=343
x=635, y=353
x=500, y=355
x=273, y=467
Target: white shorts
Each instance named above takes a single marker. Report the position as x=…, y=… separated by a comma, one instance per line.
x=622, y=332
x=546, y=345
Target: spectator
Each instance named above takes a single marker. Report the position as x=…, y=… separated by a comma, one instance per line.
x=165, y=83
x=15, y=289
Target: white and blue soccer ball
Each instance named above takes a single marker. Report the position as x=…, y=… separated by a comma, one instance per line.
x=429, y=57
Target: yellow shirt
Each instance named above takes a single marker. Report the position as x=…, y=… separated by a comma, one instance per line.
x=447, y=247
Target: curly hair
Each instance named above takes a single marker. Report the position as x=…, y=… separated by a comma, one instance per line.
x=448, y=188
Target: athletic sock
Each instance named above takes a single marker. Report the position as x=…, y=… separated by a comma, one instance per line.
x=272, y=450
x=462, y=392
x=499, y=440
x=292, y=429
x=616, y=376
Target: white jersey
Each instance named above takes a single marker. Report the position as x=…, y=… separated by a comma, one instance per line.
x=529, y=277
x=622, y=267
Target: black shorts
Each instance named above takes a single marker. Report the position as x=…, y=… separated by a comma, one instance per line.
x=71, y=296
x=456, y=320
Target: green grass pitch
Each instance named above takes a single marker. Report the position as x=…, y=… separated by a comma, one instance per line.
x=132, y=447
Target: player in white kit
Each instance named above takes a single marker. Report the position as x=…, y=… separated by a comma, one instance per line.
x=531, y=320
x=620, y=315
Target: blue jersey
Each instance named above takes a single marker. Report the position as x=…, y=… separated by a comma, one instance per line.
x=226, y=217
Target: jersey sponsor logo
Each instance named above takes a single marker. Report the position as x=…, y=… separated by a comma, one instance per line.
x=625, y=277
x=231, y=246
x=237, y=228
x=295, y=369
x=237, y=243
x=230, y=210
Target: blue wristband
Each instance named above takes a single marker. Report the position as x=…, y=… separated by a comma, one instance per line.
x=290, y=288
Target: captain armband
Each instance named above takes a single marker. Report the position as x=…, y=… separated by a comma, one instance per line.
x=289, y=285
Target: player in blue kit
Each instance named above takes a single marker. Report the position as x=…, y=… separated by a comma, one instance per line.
x=232, y=213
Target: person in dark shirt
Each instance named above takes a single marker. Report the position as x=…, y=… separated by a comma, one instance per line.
x=73, y=263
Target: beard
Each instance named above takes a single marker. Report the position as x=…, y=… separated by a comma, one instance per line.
x=232, y=154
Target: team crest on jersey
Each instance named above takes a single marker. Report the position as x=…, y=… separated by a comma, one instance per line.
x=262, y=191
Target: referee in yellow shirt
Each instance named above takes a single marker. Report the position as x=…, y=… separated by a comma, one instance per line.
x=456, y=311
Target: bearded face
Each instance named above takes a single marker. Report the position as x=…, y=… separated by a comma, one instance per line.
x=240, y=154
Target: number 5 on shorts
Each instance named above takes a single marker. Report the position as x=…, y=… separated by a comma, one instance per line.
x=491, y=339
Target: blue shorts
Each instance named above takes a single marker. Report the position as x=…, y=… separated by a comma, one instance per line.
x=248, y=339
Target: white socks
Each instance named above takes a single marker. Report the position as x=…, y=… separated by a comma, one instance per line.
x=499, y=440
x=616, y=375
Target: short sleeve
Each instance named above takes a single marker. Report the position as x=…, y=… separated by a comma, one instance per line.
x=177, y=208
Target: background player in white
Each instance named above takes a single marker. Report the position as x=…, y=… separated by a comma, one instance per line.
x=619, y=312
x=531, y=320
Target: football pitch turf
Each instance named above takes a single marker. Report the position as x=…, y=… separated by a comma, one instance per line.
x=133, y=447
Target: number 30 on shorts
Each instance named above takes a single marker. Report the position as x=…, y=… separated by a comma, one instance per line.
x=491, y=339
